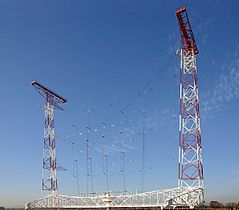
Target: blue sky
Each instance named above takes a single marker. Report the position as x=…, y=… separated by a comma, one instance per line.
x=100, y=55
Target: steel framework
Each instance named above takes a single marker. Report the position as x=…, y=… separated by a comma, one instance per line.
x=167, y=198
x=190, y=190
x=49, y=165
x=190, y=167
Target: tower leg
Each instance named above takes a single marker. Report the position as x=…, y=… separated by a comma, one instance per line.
x=49, y=180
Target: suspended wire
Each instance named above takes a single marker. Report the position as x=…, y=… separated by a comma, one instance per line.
x=147, y=84
x=145, y=89
x=139, y=93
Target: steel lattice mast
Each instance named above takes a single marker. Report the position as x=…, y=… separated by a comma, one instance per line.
x=49, y=165
x=190, y=167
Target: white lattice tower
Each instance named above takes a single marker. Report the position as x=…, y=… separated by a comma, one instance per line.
x=190, y=145
x=49, y=166
x=49, y=180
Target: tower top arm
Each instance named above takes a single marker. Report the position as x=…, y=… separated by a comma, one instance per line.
x=49, y=95
x=186, y=32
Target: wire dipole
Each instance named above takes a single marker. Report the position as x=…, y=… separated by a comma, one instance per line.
x=105, y=172
x=144, y=88
x=87, y=165
x=77, y=175
x=91, y=176
x=143, y=146
x=123, y=109
x=88, y=157
x=122, y=155
x=75, y=166
x=87, y=153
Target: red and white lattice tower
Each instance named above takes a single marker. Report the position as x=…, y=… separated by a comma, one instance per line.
x=190, y=167
x=49, y=165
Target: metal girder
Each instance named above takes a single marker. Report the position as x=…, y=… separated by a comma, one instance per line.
x=165, y=198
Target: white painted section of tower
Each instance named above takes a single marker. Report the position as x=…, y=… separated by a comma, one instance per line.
x=190, y=154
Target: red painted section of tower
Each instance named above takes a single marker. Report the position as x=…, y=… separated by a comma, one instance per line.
x=186, y=32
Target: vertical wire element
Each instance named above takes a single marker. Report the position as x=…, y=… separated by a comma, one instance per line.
x=87, y=164
x=106, y=171
x=75, y=167
x=77, y=175
x=122, y=155
x=87, y=153
x=143, y=146
x=88, y=157
x=73, y=161
x=91, y=176
x=103, y=165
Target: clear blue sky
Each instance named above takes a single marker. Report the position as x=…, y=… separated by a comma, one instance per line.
x=99, y=55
